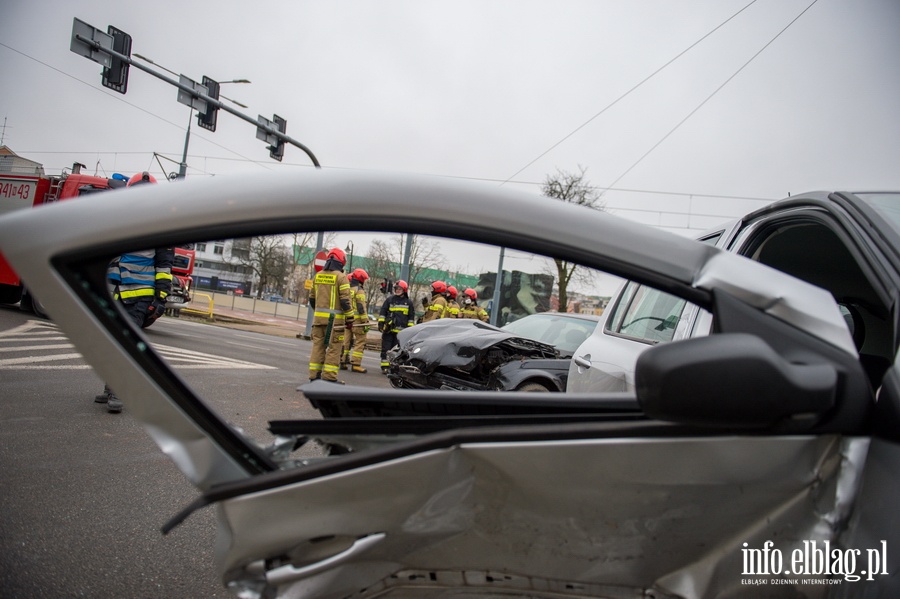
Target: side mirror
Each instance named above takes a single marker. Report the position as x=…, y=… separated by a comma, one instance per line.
x=732, y=380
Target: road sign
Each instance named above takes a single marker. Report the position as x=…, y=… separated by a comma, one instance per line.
x=320, y=260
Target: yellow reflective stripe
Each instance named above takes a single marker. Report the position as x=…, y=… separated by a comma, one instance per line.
x=137, y=293
x=165, y=276
x=330, y=368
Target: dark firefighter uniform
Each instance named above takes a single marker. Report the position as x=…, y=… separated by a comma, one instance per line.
x=330, y=298
x=397, y=313
x=142, y=281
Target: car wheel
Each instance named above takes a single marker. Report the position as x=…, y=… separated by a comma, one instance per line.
x=532, y=387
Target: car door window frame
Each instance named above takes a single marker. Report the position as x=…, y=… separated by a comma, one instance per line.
x=687, y=316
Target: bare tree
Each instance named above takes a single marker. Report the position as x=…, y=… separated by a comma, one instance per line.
x=270, y=259
x=575, y=189
x=385, y=258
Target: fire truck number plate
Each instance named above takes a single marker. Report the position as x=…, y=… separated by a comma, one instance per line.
x=16, y=194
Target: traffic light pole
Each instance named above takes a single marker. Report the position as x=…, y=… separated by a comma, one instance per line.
x=197, y=92
x=182, y=168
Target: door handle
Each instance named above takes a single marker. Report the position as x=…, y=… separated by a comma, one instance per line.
x=287, y=574
x=583, y=361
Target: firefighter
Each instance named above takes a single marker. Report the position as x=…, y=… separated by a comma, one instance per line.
x=452, y=305
x=397, y=313
x=437, y=307
x=333, y=314
x=355, y=340
x=470, y=307
x=140, y=282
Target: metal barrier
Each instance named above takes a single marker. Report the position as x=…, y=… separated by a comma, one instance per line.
x=208, y=312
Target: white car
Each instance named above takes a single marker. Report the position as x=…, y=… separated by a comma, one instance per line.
x=762, y=440
x=844, y=243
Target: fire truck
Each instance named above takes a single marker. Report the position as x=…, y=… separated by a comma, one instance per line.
x=23, y=184
x=182, y=283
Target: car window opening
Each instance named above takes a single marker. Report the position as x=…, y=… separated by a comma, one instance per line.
x=813, y=251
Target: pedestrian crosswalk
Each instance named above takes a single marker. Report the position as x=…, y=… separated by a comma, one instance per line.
x=40, y=345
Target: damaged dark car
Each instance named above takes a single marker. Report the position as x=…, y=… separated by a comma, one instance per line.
x=529, y=354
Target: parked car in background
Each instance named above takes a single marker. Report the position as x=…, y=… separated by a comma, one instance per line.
x=528, y=354
x=766, y=436
x=845, y=243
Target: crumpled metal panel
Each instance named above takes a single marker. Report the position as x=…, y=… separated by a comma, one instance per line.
x=455, y=343
x=668, y=515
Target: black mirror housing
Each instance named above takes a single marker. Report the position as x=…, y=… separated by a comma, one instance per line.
x=732, y=380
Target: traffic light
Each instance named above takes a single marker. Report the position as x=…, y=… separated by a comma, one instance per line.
x=386, y=286
x=207, y=119
x=116, y=76
x=276, y=150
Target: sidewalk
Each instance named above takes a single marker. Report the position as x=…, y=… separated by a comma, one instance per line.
x=249, y=321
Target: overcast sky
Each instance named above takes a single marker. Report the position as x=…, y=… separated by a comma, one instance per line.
x=689, y=112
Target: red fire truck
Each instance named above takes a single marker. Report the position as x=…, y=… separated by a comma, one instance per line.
x=182, y=283
x=23, y=184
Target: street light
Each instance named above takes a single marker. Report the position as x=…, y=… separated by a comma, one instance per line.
x=349, y=250
x=182, y=169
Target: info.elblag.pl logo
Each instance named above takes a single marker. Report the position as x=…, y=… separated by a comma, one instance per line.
x=817, y=562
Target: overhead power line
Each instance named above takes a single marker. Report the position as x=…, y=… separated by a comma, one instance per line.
x=710, y=96
x=626, y=94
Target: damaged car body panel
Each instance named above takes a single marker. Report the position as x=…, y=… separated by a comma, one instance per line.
x=465, y=354
x=661, y=501
x=667, y=518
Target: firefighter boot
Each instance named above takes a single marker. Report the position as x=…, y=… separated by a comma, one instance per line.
x=103, y=397
x=358, y=368
x=113, y=404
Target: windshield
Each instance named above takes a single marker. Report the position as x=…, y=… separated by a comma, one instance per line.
x=886, y=204
x=564, y=332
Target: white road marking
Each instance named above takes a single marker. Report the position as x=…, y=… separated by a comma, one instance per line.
x=35, y=331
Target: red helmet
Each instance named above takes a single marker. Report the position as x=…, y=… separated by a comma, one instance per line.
x=140, y=178
x=338, y=254
x=402, y=285
x=451, y=290
x=360, y=275
x=471, y=293
x=438, y=287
